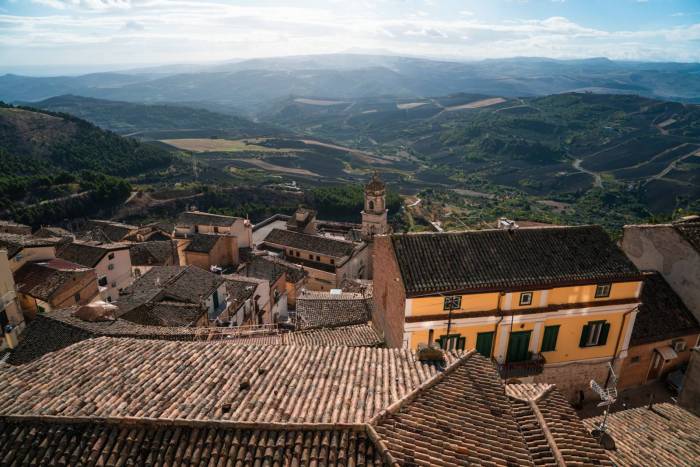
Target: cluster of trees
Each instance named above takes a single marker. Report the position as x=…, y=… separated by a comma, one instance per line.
x=344, y=202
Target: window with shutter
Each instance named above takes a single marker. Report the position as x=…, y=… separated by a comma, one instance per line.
x=452, y=342
x=594, y=333
x=549, y=340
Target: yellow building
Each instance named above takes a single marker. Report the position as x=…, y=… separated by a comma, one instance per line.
x=553, y=304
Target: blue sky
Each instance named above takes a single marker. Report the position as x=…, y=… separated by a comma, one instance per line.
x=103, y=33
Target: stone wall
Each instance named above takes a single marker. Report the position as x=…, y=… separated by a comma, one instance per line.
x=389, y=293
x=661, y=248
x=573, y=377
x=689, y=398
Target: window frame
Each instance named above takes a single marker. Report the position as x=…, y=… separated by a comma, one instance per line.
x=521, y=302
x=102, y=281
x=459, y=340
x=552, y=329
x=110, y=256
x=595, y=333
x=449, y=300
x=76, y=297
x=606, y=287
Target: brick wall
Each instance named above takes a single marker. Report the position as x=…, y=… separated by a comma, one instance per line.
x=389, y=293
x=574, y=377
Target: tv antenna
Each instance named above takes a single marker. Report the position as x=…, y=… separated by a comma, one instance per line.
x=608, y=396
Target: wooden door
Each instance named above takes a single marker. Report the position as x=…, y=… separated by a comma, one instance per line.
x=519, y=346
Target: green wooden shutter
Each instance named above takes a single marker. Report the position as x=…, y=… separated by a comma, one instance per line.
x=584, y=335
x=549, y=340
x=603, y=339
x=461, y=343
x=484, y=342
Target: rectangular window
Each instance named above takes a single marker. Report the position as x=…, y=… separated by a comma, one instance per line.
x=484, y=343
x=216, y=229
x=4, y=321
x=110, y=266
x=526, y=298
x=453, y=302
x=602, y=290
x=594, y=333
x=102, y=282
x=431, y=334
x=452, y=342
x=297, y=254
x=77, y=297
x=318, y=258
x=110, y=256
x=332, y=261
x=311, y=256
x=549, y=340
x=291, y=252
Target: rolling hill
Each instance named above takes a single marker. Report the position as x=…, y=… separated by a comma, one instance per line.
x=251, y=84
x=560, y=146
x=155, y=121
x=57, y=166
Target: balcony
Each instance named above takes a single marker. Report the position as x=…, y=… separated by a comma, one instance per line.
x=522, y=369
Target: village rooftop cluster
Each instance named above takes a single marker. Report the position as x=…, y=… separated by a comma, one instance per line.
x=299, y=341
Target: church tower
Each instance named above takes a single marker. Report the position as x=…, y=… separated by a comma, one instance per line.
x=374, y=215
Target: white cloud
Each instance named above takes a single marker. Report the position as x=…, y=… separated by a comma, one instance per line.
x=158, y=31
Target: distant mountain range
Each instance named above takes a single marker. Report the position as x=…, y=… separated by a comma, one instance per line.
x=253, y=84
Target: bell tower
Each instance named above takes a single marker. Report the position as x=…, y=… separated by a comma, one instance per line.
x=374, y=215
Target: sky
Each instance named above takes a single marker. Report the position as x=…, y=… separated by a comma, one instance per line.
x=85, y=35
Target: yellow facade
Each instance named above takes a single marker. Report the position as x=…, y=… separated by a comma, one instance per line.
x=579, y=307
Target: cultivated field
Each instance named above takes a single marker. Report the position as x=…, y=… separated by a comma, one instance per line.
x=477, y=104
x=219, y=145
x=320, y=102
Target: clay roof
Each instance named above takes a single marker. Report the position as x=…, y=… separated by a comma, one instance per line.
x=202, y=243
x=50, y=231
x=463, y=416
x=59, y=329
x=112, y=231
x=504, y=259
x=324, y=309
x=664, y=435
x=14, y=243
x=239, y=291
x=314, y=243
x=550, y=427
x=204, y=218
x=141, y=443
x=155, y=253
x=88, y=253
x=43, y=280
x=212, y=381
x=114, y=442
x=662, y=314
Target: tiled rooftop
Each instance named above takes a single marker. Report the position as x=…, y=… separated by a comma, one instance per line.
x=503, y=259
x=43, y=280
x=325, y=309
x=14, y=243
x=300, y=241
x=59, y=329
x=202, y=243
x=212, y=381
x=666, y=435
x=204, y=218
x=155, y=253
x=88, y=253
x=662, y=314
x=112, y=231
x=121, y=442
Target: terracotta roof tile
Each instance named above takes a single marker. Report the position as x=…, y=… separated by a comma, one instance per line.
x=662, y=314
x=325, y=309
x=317, y=244
x=202, y=243
x=43, y=280
x=212, y=381
x=204, y=218
x=502, y=259
x=88, y=253
x=155, y=253
x=118, y=442
x=666, y=435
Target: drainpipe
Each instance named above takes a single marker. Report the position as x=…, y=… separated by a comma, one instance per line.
x=498, y=323
x=617, y=344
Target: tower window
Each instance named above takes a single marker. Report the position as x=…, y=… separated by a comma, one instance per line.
x=371, y=205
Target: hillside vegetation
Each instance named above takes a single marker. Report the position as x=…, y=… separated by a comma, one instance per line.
x=155, y=121
x=48, y=156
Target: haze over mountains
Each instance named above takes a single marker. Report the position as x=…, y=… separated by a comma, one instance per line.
x=250, y=84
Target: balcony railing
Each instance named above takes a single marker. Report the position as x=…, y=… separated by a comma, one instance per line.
x=523, y=369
